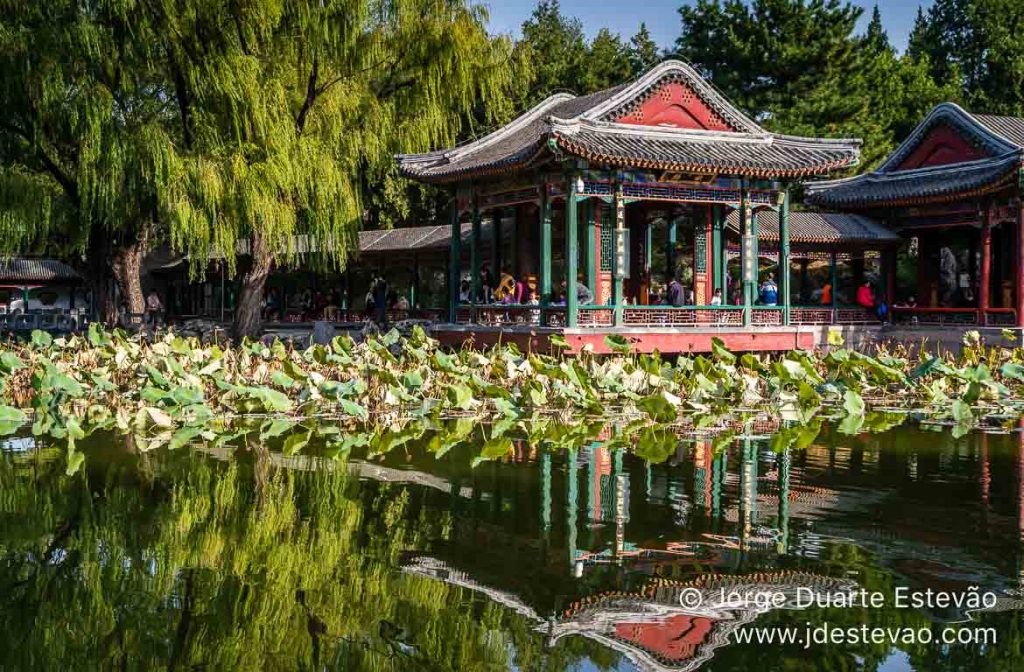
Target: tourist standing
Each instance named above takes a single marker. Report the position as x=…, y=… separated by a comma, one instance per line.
x=153, y=307
x=769, y=293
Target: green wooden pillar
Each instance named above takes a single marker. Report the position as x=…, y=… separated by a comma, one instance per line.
x=572, y=252
x=571, y=498
x=648, y=245
x=414, y=286
x=454, y=260
x=513, y=248
x=474, y=253
x=545, y=491
x=545, y=247
x=785, y=462
x=592, y=480
x=496, y=225
x=670, y=249
x=717, y=252
x=619, y=251
x=784, y=289
x=591, y=245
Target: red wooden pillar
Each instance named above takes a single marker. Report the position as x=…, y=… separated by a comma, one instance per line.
x=1018, y=262
x=985, y=272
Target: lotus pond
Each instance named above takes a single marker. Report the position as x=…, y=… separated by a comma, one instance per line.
x=540, y=544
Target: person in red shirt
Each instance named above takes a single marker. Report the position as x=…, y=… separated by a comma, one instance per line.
x=865, y=297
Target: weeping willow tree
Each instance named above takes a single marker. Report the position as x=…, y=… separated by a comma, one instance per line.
x=289, y=109
x=86, y=143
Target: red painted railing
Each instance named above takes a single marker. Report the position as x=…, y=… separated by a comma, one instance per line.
x=839, y=315
x=682, y=316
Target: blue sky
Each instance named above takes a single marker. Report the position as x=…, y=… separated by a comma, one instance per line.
x=662, y=18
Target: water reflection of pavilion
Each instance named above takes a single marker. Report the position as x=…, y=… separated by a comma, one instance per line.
x=649, y=625
x=619, y=525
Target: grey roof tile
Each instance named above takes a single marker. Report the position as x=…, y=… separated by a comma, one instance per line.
x=24, y=269
x=580, y=126
x=811, y=226
x=1002, y=138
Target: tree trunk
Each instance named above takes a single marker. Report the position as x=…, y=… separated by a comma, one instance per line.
x=126, y=265
x=96, y=272
x=248, y=317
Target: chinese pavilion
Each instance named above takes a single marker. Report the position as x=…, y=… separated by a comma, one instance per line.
x=578, y=188
x=954, y=189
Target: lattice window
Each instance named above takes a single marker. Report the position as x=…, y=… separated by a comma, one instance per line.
x=700, y=249
x=607, y=245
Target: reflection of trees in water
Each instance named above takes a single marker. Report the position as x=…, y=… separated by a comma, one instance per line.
x=233, y=566
x=171, y=559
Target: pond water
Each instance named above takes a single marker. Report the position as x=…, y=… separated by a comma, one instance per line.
x=248, y=558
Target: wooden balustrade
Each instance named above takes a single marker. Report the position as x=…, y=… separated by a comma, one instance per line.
x=682, y=316
x=938, y=317
x=993, y=317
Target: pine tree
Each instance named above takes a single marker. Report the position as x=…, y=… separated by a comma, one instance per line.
x=556, y=48
x=918, y=44
x=876, y=40
x=643, y=52
x=801, y=69
x=607, y=63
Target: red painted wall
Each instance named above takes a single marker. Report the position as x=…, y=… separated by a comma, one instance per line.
x=943, y=145
x=675, y=105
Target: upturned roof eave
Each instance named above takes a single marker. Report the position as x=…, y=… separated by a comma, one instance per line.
x=866, y=188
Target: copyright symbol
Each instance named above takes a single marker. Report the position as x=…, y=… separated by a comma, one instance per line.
x=691, y=598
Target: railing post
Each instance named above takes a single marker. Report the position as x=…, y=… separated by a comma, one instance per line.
x=454, y=261
x=784, y=288
x=572, y=252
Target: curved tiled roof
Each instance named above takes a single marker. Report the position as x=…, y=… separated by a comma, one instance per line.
x=1001, y=138
x=700, y=151
x=808, y=226
x=932, y=185
x=581, y=126
x=23, y=269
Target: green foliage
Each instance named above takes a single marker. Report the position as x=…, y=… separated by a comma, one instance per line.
x=800, y=68
x=556, y=53
x=975, y=44
x=178, y=390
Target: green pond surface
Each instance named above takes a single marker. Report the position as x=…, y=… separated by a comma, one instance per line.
x=246, y=558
